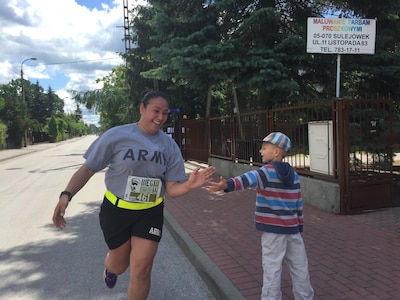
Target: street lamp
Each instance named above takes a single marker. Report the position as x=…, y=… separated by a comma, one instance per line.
x=23, y=92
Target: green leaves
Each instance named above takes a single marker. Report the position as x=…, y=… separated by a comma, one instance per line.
x=199, y=52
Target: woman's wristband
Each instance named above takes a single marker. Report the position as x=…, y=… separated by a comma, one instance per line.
x=68, y=194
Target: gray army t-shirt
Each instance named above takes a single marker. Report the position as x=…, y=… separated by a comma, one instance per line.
x=126, y=150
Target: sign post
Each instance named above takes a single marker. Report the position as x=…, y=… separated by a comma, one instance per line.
x=340, y=36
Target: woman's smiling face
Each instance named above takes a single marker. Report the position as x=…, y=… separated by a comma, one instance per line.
x=153, y=115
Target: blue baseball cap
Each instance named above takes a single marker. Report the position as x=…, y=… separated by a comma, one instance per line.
x=278, y=139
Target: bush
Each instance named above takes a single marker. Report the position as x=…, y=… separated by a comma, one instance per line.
x=3, y=136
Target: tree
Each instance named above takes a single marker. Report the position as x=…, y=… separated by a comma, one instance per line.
x=33, y=115
x=111, y=101
x=43, y=105
x=379, y=73
x=213, y=57
x=54, y=104
x=3, y=126
x=78, y=114
x=224, y=43
x=35, y=100
x=13, y=115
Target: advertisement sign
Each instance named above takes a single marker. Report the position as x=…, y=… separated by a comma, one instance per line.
x=341, y=36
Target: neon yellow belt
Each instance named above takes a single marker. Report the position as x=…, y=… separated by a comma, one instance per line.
x=121, y=203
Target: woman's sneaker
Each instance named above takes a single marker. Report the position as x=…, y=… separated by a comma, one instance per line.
x=110, y=279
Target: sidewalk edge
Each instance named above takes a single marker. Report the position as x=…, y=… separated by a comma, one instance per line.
x=221, y=287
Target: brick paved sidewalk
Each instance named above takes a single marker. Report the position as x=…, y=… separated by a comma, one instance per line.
x=350, y=257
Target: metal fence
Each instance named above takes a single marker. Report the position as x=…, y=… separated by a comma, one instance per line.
x=365, y=124
x=349, y=141
x=234, y=137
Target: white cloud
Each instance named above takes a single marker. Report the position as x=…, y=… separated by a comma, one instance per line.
x=74, y=45
x=63, y=35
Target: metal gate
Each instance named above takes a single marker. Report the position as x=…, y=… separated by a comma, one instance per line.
x=195, y=144
x=365, y=154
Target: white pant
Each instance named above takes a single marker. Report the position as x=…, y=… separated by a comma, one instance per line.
x=288, y=247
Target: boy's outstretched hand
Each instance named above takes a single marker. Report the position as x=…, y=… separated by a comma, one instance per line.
x=217, y=186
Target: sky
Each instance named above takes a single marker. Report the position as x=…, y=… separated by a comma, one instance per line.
x=75, y=43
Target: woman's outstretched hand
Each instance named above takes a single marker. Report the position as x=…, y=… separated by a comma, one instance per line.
x=199, y=177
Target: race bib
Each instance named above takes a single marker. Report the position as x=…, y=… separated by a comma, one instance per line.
x=142, y=189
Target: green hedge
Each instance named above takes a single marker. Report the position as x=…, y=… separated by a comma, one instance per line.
x=3, y=136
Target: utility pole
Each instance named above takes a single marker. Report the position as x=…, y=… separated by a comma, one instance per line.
x=127, y=39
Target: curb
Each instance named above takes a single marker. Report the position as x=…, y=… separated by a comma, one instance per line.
x=220, y=286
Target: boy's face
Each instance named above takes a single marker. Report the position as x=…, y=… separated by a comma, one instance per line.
x=270, y=152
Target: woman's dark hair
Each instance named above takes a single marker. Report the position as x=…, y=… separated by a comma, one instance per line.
x=147, y=96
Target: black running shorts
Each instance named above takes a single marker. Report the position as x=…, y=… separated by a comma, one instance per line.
x=118, y=224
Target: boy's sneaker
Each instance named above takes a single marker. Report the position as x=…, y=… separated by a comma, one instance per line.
x=110, y=279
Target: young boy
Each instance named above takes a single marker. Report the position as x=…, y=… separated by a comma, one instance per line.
x=279, y=215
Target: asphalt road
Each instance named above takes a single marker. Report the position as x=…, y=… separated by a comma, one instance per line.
x=38, y=261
